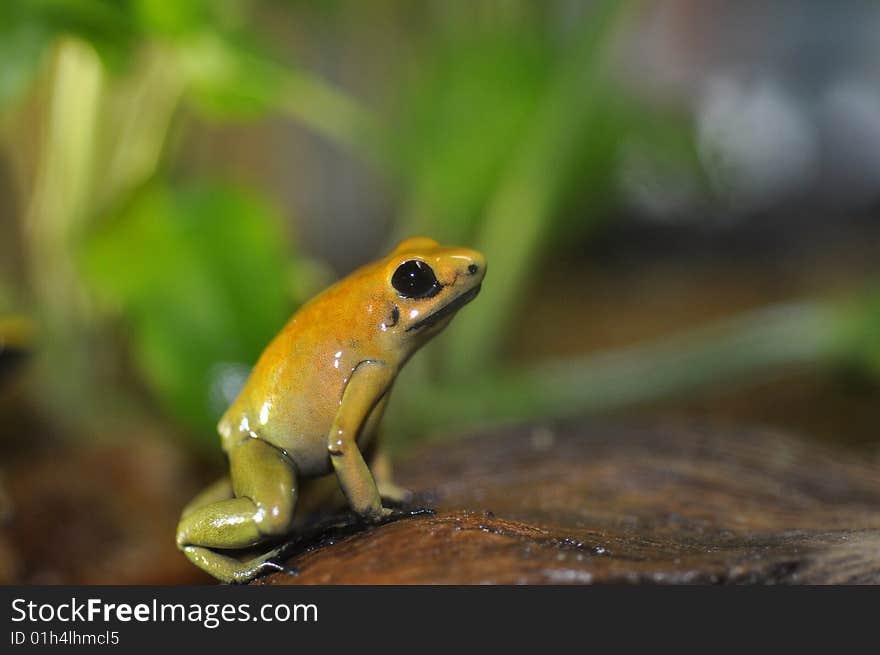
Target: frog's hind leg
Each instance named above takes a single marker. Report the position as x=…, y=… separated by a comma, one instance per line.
x=213, y=493
x=232, y=570
x=260, y=506
x=380, y=466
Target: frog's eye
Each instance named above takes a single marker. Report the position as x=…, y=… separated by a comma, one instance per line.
x=415, y=279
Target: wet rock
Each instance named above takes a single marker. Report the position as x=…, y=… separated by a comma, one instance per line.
x=96, y=513
x=587, y=503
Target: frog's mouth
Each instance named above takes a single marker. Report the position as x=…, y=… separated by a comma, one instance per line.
x=447, y=310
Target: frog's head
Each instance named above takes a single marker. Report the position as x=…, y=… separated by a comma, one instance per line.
x=426, y=285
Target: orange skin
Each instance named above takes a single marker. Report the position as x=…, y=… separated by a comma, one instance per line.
x=314, y=400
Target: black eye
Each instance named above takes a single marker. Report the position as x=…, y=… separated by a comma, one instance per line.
x=415, y=279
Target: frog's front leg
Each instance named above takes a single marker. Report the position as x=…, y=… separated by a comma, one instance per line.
x=263, y=484
x=369, y=382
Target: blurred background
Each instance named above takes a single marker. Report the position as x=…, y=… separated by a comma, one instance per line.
x=678, y=201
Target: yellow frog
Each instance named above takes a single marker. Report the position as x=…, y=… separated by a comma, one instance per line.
x=313, y=402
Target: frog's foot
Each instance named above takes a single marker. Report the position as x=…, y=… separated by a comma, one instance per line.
x=234, y=571
x=389, y=514
x=393, y=494
x=268, y=563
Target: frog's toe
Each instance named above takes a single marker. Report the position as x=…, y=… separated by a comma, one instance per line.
x=287, y=569
x=271, y=566
x=267, y=563
x=379, y=515
x=394, y=494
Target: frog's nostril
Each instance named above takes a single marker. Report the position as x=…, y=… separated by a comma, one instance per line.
x=473, y=268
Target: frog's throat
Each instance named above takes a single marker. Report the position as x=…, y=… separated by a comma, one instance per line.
x=447, y=309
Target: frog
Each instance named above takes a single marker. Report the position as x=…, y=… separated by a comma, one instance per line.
x=302, y=434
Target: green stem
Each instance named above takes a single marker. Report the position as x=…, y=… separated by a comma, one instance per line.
x=142, y=107
x=330, y=112
x=519, y=214
x=764, y=342
x=58, y=211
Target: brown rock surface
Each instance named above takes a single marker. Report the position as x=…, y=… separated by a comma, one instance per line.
x=589, y=503
x=96, y=513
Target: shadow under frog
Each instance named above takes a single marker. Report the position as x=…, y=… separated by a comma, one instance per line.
x=300, y=437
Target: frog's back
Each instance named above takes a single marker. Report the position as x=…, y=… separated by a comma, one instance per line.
x=293, y=392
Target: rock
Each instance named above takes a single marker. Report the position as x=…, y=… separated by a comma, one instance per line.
x=101, y=512
x=589, y=503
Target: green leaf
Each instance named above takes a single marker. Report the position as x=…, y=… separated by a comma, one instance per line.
x=173, y=18
x=461, y=119
x=228, y=80
x=21, y=50
x=200, y=277
x=108, y=25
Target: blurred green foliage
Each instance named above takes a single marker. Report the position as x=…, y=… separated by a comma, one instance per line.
x=460, y=120
x=29, y=29
x=502, y=131
x=199, y=275
x=500, y=109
